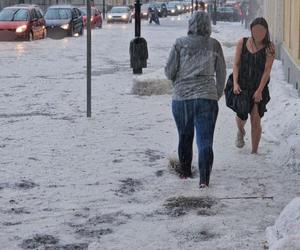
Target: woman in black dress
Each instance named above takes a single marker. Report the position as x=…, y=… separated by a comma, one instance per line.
x=251, y=73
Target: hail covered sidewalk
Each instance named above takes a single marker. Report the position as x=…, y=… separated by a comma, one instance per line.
x=68, y=182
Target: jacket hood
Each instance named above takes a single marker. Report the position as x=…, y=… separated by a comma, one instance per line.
x=200, y=24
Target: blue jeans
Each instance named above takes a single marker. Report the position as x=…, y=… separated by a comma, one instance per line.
x=202, y=115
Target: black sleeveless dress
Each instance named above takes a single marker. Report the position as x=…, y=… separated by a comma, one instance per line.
x=252, y=67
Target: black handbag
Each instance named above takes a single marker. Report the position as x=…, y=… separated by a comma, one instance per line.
x=238, y=103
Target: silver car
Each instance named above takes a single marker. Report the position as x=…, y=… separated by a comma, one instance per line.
x=119, y=14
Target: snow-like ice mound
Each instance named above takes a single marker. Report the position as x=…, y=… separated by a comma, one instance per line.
x=285, y=234
x=154, y=83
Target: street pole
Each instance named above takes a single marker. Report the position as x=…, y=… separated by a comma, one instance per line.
x=215, y=13
x=89, y=59
x=137, y=22
x=103, y=10
x=192, y=6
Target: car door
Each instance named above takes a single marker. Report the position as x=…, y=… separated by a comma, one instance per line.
x=34, y=23
x=79, y=20
x=75, y=21
x=41, y=22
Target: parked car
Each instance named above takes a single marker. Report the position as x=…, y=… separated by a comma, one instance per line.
x=119, y=14
x=65, y=18
x=22, y=22
x=228, y=14
x=172, y=9
x=96, y=17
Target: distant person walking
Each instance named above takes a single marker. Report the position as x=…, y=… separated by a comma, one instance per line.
x=251, y=74
x=154, y=15
x=197, y=69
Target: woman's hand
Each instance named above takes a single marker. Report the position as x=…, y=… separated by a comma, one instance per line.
x=236, y=89
x=257, y=96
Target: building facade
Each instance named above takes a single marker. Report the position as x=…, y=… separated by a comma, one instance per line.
x=284, y=20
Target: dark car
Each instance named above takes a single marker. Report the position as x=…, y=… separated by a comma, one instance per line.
x=22, y=22
x=64, y=18
x=227, y=13
x=96, y=17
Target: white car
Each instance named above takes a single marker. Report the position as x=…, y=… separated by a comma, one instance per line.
x=119, y=14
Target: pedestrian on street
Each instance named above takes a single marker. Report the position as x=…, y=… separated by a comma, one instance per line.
x=251, y=74
x=243, y=11
x=197, y=69
x=154, y=15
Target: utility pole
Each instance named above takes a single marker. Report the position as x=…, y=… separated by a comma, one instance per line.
x=103, y=10
x=137, y=24
x=192, y=6
x=89, y=59
x=215, y=13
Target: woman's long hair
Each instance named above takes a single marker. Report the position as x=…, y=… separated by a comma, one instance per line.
x=266, y=41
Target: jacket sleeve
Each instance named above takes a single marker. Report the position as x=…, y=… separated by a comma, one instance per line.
x=220, y=71
x=172, y=66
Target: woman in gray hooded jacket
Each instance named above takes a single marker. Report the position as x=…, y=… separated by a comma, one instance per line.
x=197, y=69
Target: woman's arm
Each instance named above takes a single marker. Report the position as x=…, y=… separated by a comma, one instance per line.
x=266, y=75
x=236, y=67
x=220, y=71
x=172, y=64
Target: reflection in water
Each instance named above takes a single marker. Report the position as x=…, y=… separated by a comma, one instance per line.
x=66, y=42
x=20, y=49
x=124, y=26
x=176, y=18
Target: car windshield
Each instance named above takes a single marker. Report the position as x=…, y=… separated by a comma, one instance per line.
x=119, y=10
x=172, y=4
x=14, y=15
x=145, y=6
x=55, y=14
x=84, y=11
x=226, y=9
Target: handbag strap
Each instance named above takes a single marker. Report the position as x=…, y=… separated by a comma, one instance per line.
x=241, y=59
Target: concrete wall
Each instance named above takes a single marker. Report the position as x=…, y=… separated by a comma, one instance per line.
x=284, y=20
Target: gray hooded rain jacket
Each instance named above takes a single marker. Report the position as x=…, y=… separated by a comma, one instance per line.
x=196, y=64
